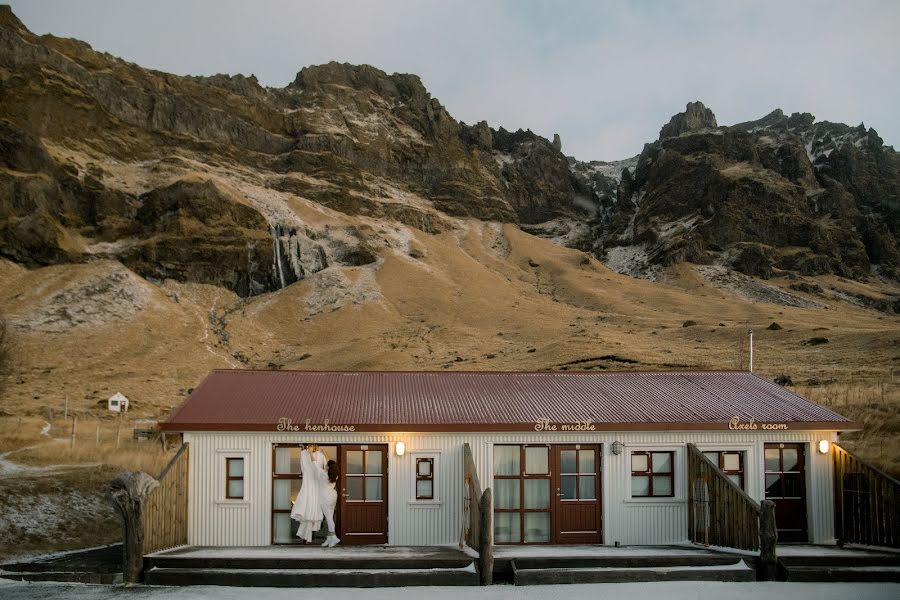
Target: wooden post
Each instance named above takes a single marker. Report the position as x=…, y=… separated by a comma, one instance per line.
x=74, y=425
x=486, y=545
x=50, y=415
x=768, y=538
x=128, y=493
x=118, y=429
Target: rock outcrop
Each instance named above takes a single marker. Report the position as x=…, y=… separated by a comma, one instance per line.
x=200, y=178
x=694, y=118
x=351, y=138
x=777, y=195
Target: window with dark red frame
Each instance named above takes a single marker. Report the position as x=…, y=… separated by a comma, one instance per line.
x=729, y=462
x=234, y=478
x=424, y=479
x=652, y=474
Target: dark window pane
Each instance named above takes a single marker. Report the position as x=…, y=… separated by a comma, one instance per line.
x=373, y=489
x=286, y=491
x=662, y=462
x=236, y=488
x=773, y=459
x=507, y=493
x=506, y=460
x=354, y=488
x=732, y=461
x=507, y=528
x=537, y=527
x=373, y=462
x=537, y=493
x=773, y=485
x=567, y=462
x=567, y=488
x=586, y=461
x=662, y=485
x=640, y=462
x=424, y=488
x=235, y=467
x=354, y=462
x=587, y=487
x=537, y=460
x=713, y=457
x=640, y=485
x=287, y=461
x=791, y=460
x=736, y=479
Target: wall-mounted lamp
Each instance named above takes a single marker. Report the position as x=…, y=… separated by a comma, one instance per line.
x=617, y=448
x=400, y=448
x=823, y=446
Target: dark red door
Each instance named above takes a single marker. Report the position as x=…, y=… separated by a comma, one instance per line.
x=785, y=466
x=362, y=494
x=576, y=506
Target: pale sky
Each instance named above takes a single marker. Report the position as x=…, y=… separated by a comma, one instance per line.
x=604, y=75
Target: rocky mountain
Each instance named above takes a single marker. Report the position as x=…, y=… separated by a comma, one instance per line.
x=781, y=195
x=192, y=178
x=201, y=179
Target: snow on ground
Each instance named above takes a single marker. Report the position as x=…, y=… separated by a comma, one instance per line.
x=593, y=551
x=681, y=590
x=749, y=288
x=632, y=261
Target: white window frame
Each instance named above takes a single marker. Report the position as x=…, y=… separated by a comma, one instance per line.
x=222, y=474
x=435, y=501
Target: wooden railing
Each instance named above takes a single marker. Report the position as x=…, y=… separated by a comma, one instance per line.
x=866, y=509
x=719, y=512
x=165, y=515
x=479, y=524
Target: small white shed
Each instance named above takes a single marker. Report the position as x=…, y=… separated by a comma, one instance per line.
x=118, y=402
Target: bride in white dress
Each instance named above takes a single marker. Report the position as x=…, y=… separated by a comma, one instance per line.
x=307, y=508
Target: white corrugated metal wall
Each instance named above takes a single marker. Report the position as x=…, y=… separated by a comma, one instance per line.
x=215, y=521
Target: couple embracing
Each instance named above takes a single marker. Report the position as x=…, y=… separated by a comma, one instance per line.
x=317, y=497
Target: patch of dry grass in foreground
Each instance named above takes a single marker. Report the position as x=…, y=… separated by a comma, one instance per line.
x=56, y=510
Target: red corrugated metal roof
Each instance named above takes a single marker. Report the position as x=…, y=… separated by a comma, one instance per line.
x=485, y=401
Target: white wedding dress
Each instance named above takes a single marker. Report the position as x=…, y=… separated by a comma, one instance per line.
x=307, y=508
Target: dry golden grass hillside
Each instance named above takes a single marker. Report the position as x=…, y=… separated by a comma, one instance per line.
x=482, y=296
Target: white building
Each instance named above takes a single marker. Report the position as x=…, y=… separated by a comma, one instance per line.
x=118, y=402
x=571, y=457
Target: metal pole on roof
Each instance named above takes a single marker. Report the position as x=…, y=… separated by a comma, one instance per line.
x=750, y=331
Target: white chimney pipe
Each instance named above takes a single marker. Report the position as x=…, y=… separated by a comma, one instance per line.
x=750, y=331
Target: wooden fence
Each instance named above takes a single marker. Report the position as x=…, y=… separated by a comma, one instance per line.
x=479, y=524
x=866, y=510
x=719, y=512
x=165, y=515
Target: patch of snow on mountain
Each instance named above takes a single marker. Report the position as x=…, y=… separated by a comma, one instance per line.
x=632, y=261
x=503, y=159
x=612, y=169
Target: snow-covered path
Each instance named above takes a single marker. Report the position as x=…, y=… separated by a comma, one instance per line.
x=687, y=590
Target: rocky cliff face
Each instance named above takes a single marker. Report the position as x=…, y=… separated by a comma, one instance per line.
x=780, y=195
x=95, y=150
x=210, y=179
